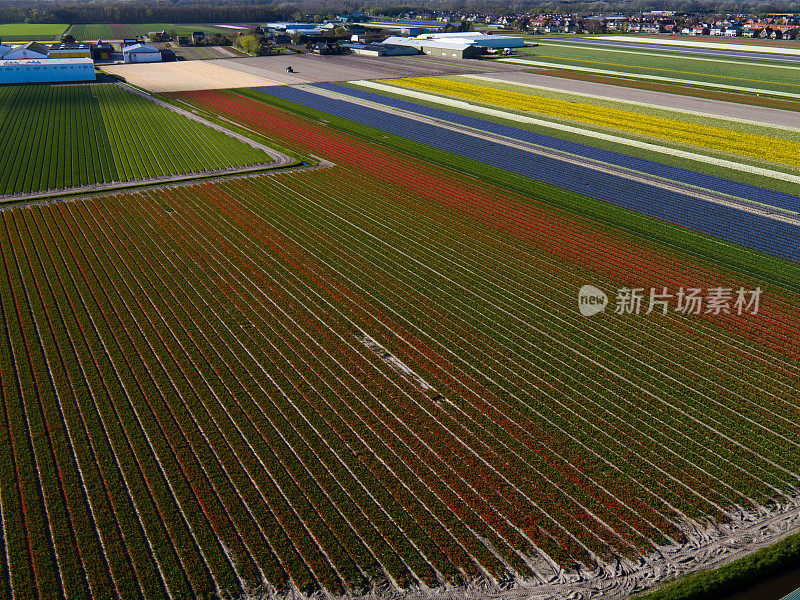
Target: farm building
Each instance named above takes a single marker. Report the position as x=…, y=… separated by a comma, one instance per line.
x=101, y=50
x=380, y=49
x=456, y=45
x=326, y=48
x=449, y=48
x=46, y=70
x=70, y=51
x=479, y=39
x=31, y=50
x=141, y=53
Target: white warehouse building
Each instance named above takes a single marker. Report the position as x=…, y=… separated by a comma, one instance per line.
x=141, y=53
x=30, y=50
x=47, y=70
x=479, y=39
x=456, y=45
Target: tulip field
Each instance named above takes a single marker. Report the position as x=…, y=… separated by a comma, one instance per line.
x=680, y=131
x=57, y=137
x=778, y=196
x=366, y=378
x=772, y=236
x=759, y=72
x=121, y=31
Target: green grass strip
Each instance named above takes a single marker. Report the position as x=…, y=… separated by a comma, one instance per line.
x=708, y=585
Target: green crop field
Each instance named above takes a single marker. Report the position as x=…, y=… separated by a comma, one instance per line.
x=56, y=137
x=113, y=31
x=764, y=75
x=205, y=52
x=13, y=32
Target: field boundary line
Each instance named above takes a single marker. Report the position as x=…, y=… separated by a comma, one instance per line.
x=82, y=193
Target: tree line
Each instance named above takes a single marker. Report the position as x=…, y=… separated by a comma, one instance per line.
x=122, y=12
x=232, y=11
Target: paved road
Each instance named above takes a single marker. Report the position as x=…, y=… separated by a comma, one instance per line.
x=313, y=68
x=718, y=108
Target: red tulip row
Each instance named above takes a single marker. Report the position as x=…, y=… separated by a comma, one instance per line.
x=729, y=386
x=193, y=402
x=293, y=255
x=485, y=203
x=765, y=329
x=307, y=227
x=233, y=254
x=318, y=277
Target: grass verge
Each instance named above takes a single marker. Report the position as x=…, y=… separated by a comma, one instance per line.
x=710, y=585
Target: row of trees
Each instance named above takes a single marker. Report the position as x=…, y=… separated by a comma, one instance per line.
x=232, y=11
x=123, y=12
x=257, y=45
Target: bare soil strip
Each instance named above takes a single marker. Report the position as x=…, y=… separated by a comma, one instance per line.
x=186, y=75
x=6, y=203
x=263, y=71
x=135, y=183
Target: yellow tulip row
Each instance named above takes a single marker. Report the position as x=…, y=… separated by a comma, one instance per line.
x=714, y=138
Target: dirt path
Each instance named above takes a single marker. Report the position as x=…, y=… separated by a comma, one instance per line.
x=135, y=183
x=84, y=192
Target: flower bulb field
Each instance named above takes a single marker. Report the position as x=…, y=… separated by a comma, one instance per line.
x=65, y=137
x=466, y=338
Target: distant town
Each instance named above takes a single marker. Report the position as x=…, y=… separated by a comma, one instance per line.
x=73, y=56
